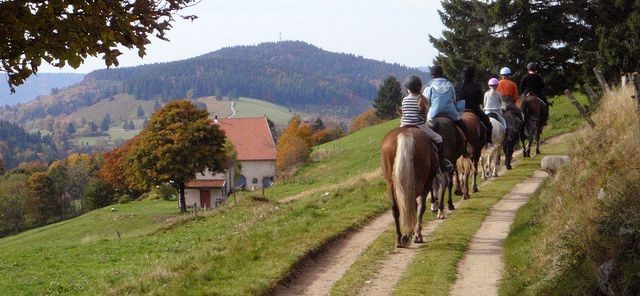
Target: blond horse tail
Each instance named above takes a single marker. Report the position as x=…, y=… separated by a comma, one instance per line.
x=404, y=183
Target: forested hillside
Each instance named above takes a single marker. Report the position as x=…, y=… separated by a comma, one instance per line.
x=291, y=73
x=18, y=146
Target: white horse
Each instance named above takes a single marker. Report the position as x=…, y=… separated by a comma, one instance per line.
x=492, y=163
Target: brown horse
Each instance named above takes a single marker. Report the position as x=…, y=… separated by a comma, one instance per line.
x=535, y=117
x=477, y=139
x=454, y=144
x=409, y=164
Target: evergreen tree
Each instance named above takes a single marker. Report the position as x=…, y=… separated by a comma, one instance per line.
x=156, y=105
x=140, y=112
x=389, y=98
x=106, y=122
x=318, y=125
x=71, y=128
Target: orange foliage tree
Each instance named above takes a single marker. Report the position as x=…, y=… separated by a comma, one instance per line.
x=365, y=119
x=294, y=145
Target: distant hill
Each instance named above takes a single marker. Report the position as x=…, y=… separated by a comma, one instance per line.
x=35, y=86
x=291, y=73
x=18, y=146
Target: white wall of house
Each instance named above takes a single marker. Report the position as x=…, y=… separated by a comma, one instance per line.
x=256, y=170
x=192, y=196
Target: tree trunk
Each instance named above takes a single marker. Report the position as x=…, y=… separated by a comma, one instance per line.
x=181, y=200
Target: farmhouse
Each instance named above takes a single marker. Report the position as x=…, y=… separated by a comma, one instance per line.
x=256, y=152
x=252, y=139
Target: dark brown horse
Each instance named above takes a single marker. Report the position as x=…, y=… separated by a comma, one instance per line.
x=476, y=139
x=514, y=131
x=535, y=116
x=455, y=144
x=409, y=164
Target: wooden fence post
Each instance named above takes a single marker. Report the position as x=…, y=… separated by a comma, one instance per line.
x=636, y=91
x=580, y=108
x=601, y=80
x=592, y=94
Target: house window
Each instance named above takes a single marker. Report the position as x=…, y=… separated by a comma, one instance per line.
x=255, y=181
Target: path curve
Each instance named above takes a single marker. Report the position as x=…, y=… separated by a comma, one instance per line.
x=480, y=271
x=318, y=274
x=233, y=110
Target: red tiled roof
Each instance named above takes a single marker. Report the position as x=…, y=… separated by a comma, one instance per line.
x=205, y=184
x=251, y=137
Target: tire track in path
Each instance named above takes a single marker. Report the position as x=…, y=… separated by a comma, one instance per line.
x=480, y=271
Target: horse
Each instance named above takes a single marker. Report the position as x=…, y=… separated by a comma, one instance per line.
x=535, y=114
x=514, y=131
x=476, y=139
x=409, y=164
x=454, y=144
x=492, y=163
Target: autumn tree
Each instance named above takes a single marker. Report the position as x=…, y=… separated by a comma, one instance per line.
x=66, y=32
x=41, y=202
x=80, y=169
x=179, y=142
x=113, y=170
x=13, y=207
x=294, y=145
x=98, y=194
x=59, y=175
x=365, y=119
x=389, y=99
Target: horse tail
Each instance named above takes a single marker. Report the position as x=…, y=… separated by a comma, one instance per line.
x=464, y=165
x=404, y=183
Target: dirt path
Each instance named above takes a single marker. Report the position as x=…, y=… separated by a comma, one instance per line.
x=480, y=270
x=317, y=275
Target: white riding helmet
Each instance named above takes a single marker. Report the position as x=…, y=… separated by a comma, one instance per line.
x=505, y=71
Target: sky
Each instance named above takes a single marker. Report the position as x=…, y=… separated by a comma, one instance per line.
x=394, y=31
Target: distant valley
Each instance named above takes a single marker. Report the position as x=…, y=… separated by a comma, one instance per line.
x=35, y=86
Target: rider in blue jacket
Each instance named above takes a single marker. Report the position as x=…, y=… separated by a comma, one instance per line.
x=441, y=96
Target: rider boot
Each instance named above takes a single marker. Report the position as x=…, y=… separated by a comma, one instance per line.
x=445, y=164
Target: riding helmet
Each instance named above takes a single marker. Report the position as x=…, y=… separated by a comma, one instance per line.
x=505, y=71
x=531, y=66
x=493, y=81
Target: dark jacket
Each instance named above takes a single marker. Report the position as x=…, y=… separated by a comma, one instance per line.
x=532, y=83
x=471, y=92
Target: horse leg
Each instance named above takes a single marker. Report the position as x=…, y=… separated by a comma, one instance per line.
x=475, y=175
x=507, y=157
x=538, y=142
x=442, y=192
x=421, y=208
x=450, y=201
x=456, y=182
x=496, y=165
x=434, y=201
x=396, y=214
x=465, y=185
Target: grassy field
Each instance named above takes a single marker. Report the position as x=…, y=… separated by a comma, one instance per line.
x=280, y=115
x=240, y=249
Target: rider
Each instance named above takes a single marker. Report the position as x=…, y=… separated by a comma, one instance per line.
x=471, y=92
x=414, y=110
x=507, y=88
x=492, y=101
x=533, y=83
x=441, y=97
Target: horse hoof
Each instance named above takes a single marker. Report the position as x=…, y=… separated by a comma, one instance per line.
x=418, y=240
x=466, y=196
x=457, y=192
x=508, y=167
x=476, y=190
x=440, y=216
x=406, y=240
x=452, y=207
